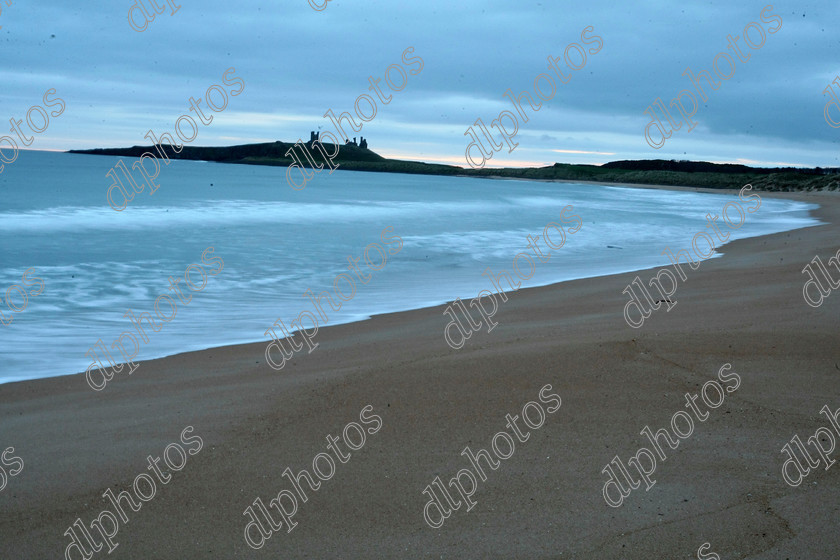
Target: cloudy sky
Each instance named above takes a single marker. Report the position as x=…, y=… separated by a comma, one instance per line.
x=297, y=63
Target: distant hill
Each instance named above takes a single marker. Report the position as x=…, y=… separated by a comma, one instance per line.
x=703, y=167
x=272, y=153
x=652, y=172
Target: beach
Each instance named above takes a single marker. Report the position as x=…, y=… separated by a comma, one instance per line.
x=722, y=485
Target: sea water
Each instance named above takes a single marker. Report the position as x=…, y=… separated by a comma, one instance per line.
x=277, y=243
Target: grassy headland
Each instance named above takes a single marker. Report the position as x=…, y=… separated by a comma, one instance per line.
x=651, y=172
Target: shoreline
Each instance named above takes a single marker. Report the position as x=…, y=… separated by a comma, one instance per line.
x=718, y=251
x=722, y=484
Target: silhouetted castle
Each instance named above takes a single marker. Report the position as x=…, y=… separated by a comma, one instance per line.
x=313, y=136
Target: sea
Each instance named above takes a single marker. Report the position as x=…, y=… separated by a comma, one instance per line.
x=277, y=243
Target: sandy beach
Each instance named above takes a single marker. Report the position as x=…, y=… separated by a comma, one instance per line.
x=722, y=485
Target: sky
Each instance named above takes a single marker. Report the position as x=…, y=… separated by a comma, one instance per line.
x=297, y=63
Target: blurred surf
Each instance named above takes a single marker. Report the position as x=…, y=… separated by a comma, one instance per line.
x=277, y=243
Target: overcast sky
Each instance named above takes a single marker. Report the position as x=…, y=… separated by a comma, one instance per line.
x=297, y=63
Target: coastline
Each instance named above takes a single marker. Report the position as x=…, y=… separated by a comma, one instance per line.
x=227, y=341
x=745, y=308
x=632, y=172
